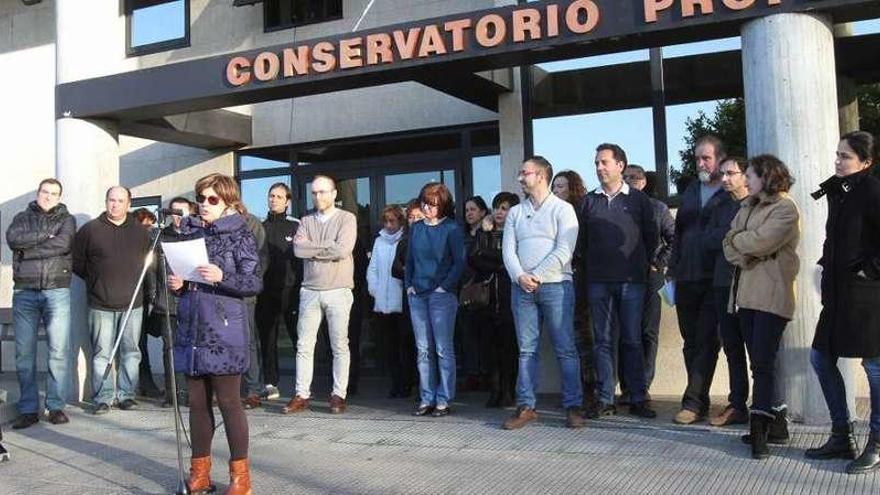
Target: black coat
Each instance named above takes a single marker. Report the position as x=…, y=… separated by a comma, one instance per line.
x=686, y=262
x=283, y=268
x=717, y=227
x=849, y=325
x=485, y=261
x=42, y=247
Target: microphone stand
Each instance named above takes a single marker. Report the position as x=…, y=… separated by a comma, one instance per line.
x=148, y=261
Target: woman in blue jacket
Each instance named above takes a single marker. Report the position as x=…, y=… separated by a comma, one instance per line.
x=212, y=339
x=435, y=262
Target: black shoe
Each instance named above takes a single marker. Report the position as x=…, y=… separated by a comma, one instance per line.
x=128, y=405
x=759, y=423
x=624, y=399
x=841, y=445
x=58, y=417
x=494, y=400
x=101, y=408
x=606, y=410
x=778, y=432
x=440, y=412
x=870, y=458
x=423, y=410
x=4, y=455
x=25, y=421
x=641, y=410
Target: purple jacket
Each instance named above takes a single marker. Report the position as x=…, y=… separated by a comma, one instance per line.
x=212, y=334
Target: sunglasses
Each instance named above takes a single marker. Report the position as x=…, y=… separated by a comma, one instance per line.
x=212, y=200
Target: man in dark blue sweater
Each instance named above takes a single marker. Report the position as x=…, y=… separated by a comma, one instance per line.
x=621, y=236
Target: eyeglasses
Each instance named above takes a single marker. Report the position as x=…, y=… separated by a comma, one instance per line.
x=212, y=200
x=731, y=173
x=425, y=204
x=525, y=173
x=633, y=177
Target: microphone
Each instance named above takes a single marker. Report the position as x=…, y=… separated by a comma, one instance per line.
x=172, y=211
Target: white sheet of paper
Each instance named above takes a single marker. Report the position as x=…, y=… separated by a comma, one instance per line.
x=667, y=292
x=185, y=257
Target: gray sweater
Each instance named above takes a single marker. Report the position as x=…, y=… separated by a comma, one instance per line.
x=326, y=250
x=540, y=242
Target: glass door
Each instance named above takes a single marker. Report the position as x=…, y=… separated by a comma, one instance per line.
x=401, y=188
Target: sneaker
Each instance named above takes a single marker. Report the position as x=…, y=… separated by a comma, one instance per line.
x=687, y=417
x=730, y=416
x=101, y=408
x=439, y=412
x=25, y=421
x=337, y=404
x=574, y=417
x=4, y=455
x=296, y=405
x=128, y=405
x=271, y=392
x=58, y=417
x=523, y=416
x=252, y=401
x=423, y=410
x=607, y=410
x=641, y=410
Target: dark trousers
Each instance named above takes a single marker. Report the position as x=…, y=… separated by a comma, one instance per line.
x=251, y=381
x=145, y=374
x=271, y=305
x=762, y=332
x=398, y=349
x=502, y=355
x=650, y=331
x=734, y=343
x=698, y=323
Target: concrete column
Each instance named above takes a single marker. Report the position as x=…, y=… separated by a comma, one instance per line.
x=511, y=134
x=791, y=112
x=86, y=152
x=847, y=90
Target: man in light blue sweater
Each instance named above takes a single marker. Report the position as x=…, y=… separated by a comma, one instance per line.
x=538, y=242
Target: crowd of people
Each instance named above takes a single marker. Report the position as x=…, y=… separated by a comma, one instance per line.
x=587, y=267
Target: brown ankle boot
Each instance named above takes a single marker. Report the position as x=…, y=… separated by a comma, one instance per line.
x=200, y=476
x=239, y=478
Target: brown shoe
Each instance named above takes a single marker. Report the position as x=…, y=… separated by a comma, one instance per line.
x=687, y=417
x=200, y=476
x=574, y=417
x=730, y=416
x=58, y=417
x=252, y=402
x=337, y=404
x=25, y=421
x=239, y=478
x=297, y=404
x=523, y=416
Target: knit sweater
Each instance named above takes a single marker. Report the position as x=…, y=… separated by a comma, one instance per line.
x=540, y=242
x=326, y=250
x=436, y=257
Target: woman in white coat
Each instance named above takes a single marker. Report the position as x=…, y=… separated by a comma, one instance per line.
x=388, y=322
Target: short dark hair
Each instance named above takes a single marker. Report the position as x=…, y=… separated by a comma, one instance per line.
x=180, y=199
x=543, y=164
x=477, y=200
x=127, y=191
x=505, y=197
x=741, y=163
x=52, y=181
x=435, y=193
x=637, y=169
x=326, y=177
x=715, y=141
x=142, y=214
x=862, y=143
x=773, y=172
x=282, y=186
x=615, y=150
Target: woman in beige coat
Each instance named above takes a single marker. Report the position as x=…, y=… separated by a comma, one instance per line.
x=761, y=245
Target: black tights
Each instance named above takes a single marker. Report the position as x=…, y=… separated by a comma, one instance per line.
x=201, y=414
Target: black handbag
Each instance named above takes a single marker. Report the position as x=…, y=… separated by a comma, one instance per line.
x=475, y=295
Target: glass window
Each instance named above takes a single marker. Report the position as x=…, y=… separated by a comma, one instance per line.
x=157, y=25
x=255, y=193
x=401, y=188
x=247, y=163
x=487, y=177
x=281, y=14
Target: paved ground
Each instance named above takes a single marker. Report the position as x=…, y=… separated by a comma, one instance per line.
x=379, y=448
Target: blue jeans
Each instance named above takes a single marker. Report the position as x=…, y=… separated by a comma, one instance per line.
x=621, y=301
x=552, y=305
x=433, y=321
x=834, y=389
x=29, y=308
x=762, y=332
x=104, y=326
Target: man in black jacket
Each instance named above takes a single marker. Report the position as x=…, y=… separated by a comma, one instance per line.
x=692, y=272
x=280, y=296
x=41, y=240
x=109, y=254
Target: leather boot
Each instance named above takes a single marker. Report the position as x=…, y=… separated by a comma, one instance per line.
x=759, y=423
x=778, y=432
x=870, y=458
x=200, y=476
x=841, y=445
x=239, y=478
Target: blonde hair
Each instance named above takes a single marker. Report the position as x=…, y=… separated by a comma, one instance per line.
x=225, y=187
